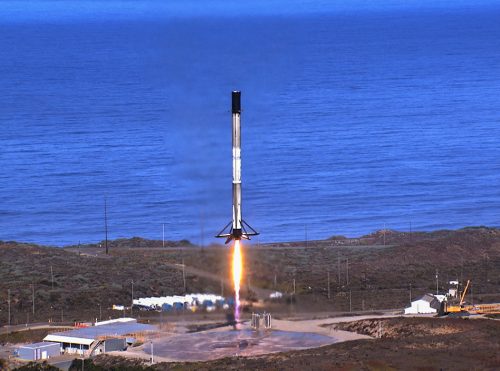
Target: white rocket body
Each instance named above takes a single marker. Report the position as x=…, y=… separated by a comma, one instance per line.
x=237, y=230
x=236, y=170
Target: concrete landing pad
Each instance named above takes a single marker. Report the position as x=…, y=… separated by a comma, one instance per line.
x=205, y=346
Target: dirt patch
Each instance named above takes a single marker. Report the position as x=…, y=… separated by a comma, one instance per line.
x=205, y=326
x=396, y=328
x=363, y=274
x=27, y=336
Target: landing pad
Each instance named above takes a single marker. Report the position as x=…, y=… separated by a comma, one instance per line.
x=206, y=346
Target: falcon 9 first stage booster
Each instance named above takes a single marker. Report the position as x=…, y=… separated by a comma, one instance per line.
x=237, y=229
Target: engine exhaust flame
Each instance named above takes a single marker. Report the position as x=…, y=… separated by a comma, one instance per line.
x=237, y=274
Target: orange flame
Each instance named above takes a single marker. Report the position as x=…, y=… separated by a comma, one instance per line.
x=237, y=275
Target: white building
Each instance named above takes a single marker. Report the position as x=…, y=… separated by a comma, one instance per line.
x=103, y=337
x=187, y=300
x=426, y=304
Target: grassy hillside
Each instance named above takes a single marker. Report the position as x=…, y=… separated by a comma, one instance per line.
x=86, y=279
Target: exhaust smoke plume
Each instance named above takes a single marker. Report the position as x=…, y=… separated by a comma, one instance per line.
x=237, y=269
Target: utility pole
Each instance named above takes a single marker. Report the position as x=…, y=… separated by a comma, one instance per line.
x=163, y=235
x=338, y=264
x=8, y=302
x=132, y=304
x=350, y=301
x=410, y=293
x=437, y=282
x=486, y=263
x=202, y=232
x=52, y=276
x=347, y=272
x=106, y=224
x=152, y=355
x=184, y=274
x=294, y=286
x=33, y=297
x=275, y=281
x=462, y=270
x=328, y=282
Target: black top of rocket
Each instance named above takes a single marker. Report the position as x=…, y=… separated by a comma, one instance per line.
x=236, y=100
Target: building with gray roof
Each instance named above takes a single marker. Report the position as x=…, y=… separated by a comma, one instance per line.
x=101, y=337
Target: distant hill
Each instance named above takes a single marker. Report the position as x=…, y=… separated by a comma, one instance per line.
x=136, y=242
x=75, y=284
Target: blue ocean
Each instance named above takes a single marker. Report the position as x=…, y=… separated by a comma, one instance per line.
x=354, y=117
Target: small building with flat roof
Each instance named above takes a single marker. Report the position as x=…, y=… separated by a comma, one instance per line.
x=36, y=351
x=100, y=338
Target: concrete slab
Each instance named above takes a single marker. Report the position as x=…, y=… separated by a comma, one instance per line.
x=210, y=345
